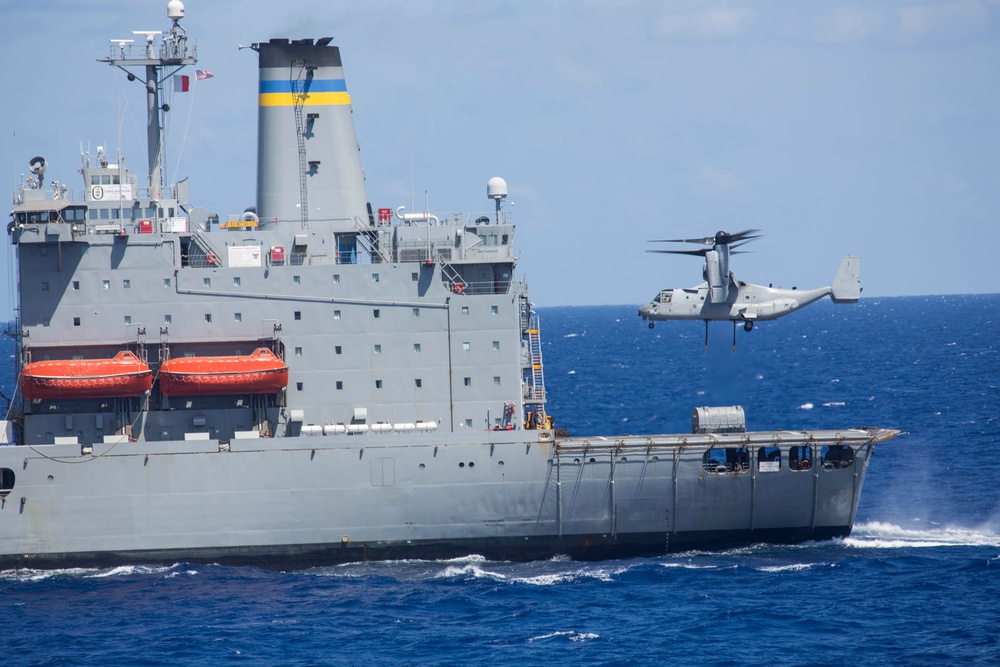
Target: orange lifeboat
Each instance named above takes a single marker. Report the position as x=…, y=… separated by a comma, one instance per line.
x=257, y=373
x=122, y=376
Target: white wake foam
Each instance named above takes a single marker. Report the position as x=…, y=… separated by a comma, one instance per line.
x=791, y=567
x=879, y=535
x=571, y=635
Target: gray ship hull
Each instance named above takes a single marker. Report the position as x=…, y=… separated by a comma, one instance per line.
x=321, y=379
x=300, y=502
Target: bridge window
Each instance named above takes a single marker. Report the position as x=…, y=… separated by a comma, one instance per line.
x=76, y=321
x=416, y=348
x=800, y=457
x=336, y=279
x=769, y=459
x=835, y=457
x=726, y=459
x=6, y=481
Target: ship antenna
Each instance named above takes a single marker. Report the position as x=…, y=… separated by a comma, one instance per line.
x=173, y=54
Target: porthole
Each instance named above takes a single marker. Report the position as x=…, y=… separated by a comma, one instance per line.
x=837, y=457
x=800, y=457
x=769, y=459
x=472, y=464
x=461, y=464
x=6, y=481
x=593, y=460
x=422, y=466
x=726, y=459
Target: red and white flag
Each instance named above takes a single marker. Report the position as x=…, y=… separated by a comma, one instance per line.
x=182, y=83
x=203, y=74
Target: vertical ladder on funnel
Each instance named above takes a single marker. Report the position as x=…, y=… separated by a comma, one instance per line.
x=300, y=76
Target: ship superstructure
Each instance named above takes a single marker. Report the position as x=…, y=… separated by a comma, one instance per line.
x=316, y=379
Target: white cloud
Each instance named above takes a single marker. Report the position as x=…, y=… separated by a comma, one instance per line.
x=848, y=24
x=707, y=25
x=948, y=23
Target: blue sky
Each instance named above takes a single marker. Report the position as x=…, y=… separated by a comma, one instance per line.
x=837, y=128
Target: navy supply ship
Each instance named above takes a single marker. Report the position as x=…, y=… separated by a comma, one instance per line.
x=315, y=381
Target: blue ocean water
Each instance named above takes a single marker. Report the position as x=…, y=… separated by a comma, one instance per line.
x=918, y=583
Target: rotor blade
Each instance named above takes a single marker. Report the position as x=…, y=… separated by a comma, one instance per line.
x=745, y=235
x=708, y=240
x=697, y=253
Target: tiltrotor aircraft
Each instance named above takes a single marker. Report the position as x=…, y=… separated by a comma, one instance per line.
x=722, y=297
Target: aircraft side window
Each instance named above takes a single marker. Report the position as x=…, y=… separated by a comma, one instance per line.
x=800, y=457
x=836, y=457
x=726, y=459
x=769, y=459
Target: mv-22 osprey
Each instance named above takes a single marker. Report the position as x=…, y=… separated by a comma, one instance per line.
x=722, y=297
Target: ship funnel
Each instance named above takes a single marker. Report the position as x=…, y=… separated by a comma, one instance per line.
x=308, y=161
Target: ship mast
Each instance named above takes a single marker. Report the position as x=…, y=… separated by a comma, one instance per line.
x=160, y=62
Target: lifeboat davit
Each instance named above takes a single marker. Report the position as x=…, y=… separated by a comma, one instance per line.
x=123, y=376
x=258, y=373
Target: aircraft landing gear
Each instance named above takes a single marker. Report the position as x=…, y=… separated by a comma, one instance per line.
x=748, y=325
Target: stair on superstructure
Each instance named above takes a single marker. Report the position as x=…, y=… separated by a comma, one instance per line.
x=534, y=393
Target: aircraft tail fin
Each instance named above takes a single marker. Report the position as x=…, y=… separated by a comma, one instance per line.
x=846, y=286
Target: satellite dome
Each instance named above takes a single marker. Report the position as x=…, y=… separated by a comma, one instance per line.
x=175, y=10
x=496, y=188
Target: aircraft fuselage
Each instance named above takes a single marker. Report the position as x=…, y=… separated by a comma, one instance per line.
x=744, y=302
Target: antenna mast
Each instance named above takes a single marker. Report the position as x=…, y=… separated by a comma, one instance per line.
x=172, y=52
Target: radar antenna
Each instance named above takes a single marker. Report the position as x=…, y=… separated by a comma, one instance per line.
x=160, y=64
